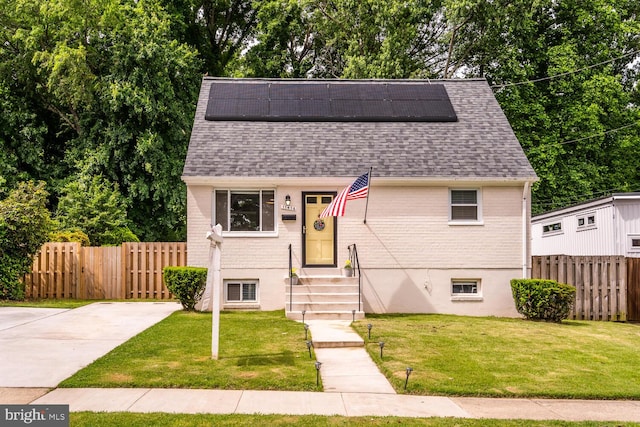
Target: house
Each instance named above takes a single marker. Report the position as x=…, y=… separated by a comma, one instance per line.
x=448, y=211
x=606, y=226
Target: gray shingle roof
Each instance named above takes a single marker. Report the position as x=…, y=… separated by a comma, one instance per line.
x=481, y=144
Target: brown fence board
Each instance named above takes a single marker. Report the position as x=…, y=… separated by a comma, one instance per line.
x=133, y=270
x=600, y=281
x=633, y=283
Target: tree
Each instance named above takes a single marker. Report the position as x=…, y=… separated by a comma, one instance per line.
x=101, y=85
x=24, y=227
x=218, y=29
x=95, y=207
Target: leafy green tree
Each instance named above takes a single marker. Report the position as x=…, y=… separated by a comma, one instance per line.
x=101, y=84
x=578, y=128
x=24, y=227
x=95, y=207
x=218, y=29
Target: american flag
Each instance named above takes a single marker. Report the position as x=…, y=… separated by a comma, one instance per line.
x=358, y=190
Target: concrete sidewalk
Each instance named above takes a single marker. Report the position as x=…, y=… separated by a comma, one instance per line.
x=346, y=404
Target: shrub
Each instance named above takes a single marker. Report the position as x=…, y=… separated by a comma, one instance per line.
x=538, y=299
x=24, y=227
x=69, y=236
x=186, y=283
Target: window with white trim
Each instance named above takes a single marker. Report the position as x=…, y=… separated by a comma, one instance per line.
x=245, y=210
x=241, y=291
x=586, y=221
x=465, y=289
x=552, y=228
x=464, y=205
x=634, y=242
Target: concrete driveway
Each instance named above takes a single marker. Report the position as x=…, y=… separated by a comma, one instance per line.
x=40, y=347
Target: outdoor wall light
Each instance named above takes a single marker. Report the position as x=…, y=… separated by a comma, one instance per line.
x=306, y=331
x=381, y=344
x=409, y=370
x=309, y=348
x=369, y=326
x=287, y=200
x=318, y=373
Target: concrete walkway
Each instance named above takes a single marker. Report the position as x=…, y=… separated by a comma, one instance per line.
x=346, y=365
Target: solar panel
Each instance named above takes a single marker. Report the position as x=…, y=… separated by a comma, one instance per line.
x=334, y=102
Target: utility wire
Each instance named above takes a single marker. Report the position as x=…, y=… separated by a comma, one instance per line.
x=571, y=141
x=541, y=79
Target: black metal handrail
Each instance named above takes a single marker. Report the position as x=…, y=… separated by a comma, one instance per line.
x=353, y=257
x=290, y=280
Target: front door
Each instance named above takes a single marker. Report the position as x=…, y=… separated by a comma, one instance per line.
x=319, y=234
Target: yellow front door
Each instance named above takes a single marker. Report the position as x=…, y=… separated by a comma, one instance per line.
x=319, y=233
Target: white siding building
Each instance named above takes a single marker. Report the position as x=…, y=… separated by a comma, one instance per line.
x=607, y=226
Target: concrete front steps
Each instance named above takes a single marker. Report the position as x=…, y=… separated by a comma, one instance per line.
x=323, y=297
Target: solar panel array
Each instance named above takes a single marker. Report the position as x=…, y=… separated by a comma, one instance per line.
x=330, y=102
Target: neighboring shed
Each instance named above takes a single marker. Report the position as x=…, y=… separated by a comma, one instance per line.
x=448, y=210
x=606, y=226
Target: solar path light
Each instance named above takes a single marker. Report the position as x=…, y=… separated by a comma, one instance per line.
x=381, y=344
x=353, y=315
x=369, y=326
x=306, y=331
x=303, y=313
x=309, y=344
x=318, y=364
x=409, y=370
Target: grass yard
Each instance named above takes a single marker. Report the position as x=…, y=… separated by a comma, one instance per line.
x=47, y=303
x=500, y=357
x=258, y=351
x=91, y=419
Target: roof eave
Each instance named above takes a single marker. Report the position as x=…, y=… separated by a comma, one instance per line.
x=261, y=181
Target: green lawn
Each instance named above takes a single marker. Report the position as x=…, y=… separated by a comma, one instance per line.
x=258, y=350
x=500, y=357
x=450, y=355
x=91, y=419
x=47, y=303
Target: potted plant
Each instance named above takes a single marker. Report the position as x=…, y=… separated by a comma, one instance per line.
x=348, y=268
x=294, y=276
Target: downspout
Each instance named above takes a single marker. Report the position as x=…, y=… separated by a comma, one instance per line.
x=525, y=229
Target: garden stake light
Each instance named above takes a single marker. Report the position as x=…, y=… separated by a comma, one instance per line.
x=381, y=344
x=306, y=331
x=303, y=313
x=318, y=373
x=353, y=315
x=309, y=348
x=369, y=326
x=409, y=370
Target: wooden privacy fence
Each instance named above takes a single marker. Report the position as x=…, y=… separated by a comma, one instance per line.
x=133, y=270
x=600, y=281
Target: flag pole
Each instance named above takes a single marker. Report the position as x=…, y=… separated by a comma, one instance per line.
x=367, y=206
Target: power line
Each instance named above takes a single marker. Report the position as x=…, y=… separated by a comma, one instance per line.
x=541, y=79
x=571, y=141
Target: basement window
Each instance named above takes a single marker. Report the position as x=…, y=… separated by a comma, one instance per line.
x=237, y=291
x=466, y=290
